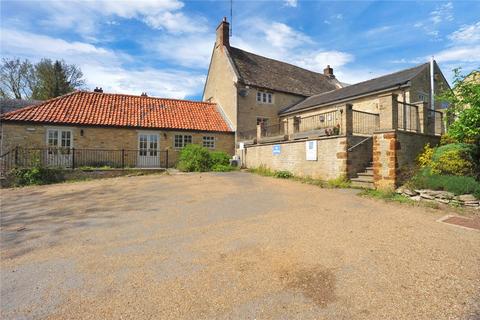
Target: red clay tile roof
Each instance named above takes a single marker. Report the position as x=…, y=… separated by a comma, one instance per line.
x=106, y=109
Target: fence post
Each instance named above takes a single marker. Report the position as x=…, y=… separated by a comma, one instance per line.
x=166, y=156
x=123, y=159
x=73, y=158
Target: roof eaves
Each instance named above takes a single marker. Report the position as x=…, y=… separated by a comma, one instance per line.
x=346, y=99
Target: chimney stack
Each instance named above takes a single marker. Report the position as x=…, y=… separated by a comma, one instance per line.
x=328, y=72
x=223, y=34
x=97, y=89
x=144, y=94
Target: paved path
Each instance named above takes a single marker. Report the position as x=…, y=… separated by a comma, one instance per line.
x=229, y=246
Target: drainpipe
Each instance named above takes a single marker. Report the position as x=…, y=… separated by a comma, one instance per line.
x=432, y=84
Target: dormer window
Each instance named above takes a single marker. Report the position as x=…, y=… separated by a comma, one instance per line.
x=264, y=97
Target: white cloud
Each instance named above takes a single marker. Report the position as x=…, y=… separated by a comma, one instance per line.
x=443, y=13
x=282, y=36
x=291, y=3
x=190, y=51
x=103, y=67
x=317, y=61
x=84, y=17
x=460, y=54
x=467, y=34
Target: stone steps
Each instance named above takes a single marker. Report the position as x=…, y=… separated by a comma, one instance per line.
x=364, y=179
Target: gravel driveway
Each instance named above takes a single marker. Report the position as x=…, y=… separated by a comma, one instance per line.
x=229, y=246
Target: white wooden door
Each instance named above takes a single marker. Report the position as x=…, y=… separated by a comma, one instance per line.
x=60, y=144
x=148, y=150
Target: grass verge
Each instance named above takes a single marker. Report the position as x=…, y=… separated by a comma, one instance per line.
x=340, y=182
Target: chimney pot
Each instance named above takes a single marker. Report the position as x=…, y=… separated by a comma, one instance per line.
x=328, y=72
x=97, y=89
x=223, y=34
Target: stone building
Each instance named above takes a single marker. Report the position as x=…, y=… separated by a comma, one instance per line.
x=91, y=128
x=251, y=89
x=359, y=131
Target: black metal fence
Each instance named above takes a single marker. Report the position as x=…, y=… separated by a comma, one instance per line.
x=408, y=119
x=72, y=158
x=435, y=124
x=273, y=130
x=319, y=121
x=365, y=122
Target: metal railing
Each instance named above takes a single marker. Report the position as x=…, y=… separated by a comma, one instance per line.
x=273, y=130
x=72, y=158
x=318, y=121
x=408, y=119
x=365, y=122
x=435, y=123
x=247, y=134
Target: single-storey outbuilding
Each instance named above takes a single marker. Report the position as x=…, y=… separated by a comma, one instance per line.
x=117, y=129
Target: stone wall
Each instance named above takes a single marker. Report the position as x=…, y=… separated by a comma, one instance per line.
x=360, y=156
x=331, y=157
x=394, y=150
x=35, y=136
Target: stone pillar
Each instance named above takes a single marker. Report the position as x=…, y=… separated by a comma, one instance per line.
x=259, y=132
x=346, y=121
x=385, y=147
x=422, y=116
x=388, y=107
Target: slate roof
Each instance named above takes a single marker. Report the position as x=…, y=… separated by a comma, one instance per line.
x=376, y=84
x=276, y=75
x=120, y=110
x=7, y=105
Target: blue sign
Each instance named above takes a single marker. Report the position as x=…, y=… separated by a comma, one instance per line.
x=276, y=149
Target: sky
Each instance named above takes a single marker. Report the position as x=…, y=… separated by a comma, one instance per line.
x=163, y=47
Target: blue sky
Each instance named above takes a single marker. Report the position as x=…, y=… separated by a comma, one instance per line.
x=164, y=47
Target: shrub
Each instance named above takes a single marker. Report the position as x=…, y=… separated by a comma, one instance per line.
x=458, y=185
x=36, y=175
x=424, y=159
x=194, y=158
x=222, y=168
x=219, y=158
x=283, y=174
x=455, y=159
x=447, y=139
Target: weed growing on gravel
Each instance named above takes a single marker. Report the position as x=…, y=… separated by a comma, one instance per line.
x=386, y=195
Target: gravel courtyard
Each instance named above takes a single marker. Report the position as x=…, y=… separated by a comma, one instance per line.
x=229, y=246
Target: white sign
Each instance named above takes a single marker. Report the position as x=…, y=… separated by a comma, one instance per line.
x=241, y=145
x=311, y=150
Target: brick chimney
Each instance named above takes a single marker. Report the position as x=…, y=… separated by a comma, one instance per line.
x=223, y=34
x=328, y=72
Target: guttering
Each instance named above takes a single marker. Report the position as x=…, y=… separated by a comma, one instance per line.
x=344, y=99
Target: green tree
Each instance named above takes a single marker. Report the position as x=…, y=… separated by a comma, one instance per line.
x=464, y=108
x=55, y=79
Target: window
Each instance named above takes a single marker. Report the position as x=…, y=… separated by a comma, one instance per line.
x=59, y=141
x=182, y=140
x=264, y=97
x=209, y=142
x=423, y=97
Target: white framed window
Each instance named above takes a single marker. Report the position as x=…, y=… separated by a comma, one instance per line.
x=264, y=97
x=148, y=144
x=422, y=97
x=181, y=140
x=209, y=142
x=58, y=138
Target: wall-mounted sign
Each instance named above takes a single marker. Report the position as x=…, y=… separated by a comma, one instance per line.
x=241, y=146
x=276, y=149
x=311, y=150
